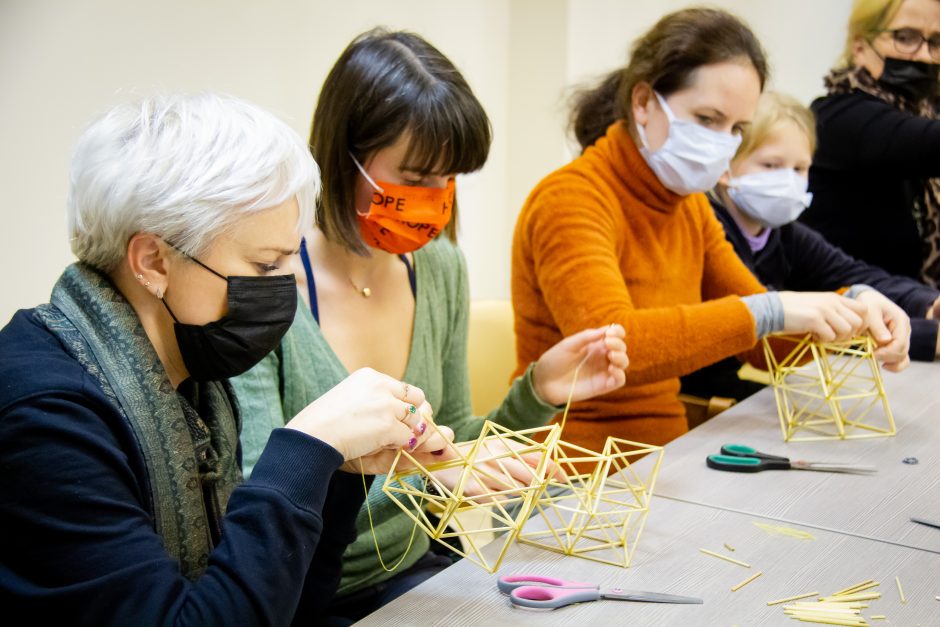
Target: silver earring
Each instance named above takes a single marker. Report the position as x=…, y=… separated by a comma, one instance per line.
x=140, y=277
x=147, y=284
x=159, y=293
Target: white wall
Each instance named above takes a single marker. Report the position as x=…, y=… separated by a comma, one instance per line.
x=63, y=62
x=803, y=38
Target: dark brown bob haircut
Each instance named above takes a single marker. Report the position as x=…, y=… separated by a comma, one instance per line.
x=666, y=57
x=387, y=83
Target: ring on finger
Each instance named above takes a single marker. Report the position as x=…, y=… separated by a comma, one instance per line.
x=411, y=409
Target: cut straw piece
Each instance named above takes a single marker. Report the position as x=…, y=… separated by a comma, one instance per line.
x=900, y=590
x=830, y=614
x=729, y=547
x=837, y=610
x=819, y=616
x=859, y=588
x=868, y=596
x=878, y=617
x=856, y=587
x=836, y=601
x=793, y=598
x=831, y=621
x=821, y=607
x=784, y=531
x=725, y=557
x=747, y=581
x=840, y=613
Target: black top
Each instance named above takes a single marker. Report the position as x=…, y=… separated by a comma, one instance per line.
x=865, y=176
x=78, y=545
x=798, y=258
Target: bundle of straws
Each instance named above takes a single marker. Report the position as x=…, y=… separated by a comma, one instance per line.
x=840, y=608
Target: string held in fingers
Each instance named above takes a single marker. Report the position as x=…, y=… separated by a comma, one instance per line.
x=574, y=382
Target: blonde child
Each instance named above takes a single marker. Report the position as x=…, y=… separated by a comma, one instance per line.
x=758, y=203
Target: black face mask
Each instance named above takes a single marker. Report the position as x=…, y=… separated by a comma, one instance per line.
x=914, y=79
x=260, y=311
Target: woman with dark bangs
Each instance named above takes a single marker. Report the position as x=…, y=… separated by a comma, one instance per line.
x=394, y=124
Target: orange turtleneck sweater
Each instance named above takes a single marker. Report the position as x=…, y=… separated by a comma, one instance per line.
x=601, y=241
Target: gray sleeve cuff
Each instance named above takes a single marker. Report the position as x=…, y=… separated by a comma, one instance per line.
x=857, y=289
x=767, y=310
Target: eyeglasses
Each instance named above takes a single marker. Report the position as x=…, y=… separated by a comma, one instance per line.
x=909, y=41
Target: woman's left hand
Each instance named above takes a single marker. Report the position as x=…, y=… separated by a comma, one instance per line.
x=891, y=329
x=602, y=372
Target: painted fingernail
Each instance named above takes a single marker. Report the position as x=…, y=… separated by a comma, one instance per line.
x=439, y=452
x=422, y=427
x=413, y=444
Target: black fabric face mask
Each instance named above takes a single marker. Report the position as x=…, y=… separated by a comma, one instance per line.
x=260, y=311
x=913, y=79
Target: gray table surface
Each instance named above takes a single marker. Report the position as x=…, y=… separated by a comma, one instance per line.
x=667, y=559
x=877, y=506
x=860, y=526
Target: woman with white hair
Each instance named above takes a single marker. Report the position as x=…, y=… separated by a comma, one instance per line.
x=121, y=496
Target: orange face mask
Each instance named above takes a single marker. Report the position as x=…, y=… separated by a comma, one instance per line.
x=402, y=218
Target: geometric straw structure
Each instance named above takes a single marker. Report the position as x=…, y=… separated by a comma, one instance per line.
x=598, y=514
x=828, y=390
x=504, y=475
x=483, y=483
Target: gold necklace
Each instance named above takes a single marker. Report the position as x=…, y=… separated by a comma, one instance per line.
x=364, y=291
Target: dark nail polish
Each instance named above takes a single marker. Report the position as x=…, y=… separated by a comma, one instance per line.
x=413, y=443
x=422, y=428
x=440, y=452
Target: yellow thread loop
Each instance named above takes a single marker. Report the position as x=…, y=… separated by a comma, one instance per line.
x=375, y=540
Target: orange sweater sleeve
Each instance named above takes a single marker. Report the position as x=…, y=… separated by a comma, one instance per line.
x=725, y=273
x=575, y=251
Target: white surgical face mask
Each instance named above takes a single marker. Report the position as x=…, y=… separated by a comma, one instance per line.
x=693, y=158
x=773, y=198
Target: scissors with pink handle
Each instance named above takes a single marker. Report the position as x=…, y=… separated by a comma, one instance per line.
x=548, y=593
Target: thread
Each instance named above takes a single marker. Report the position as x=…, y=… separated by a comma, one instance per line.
x=375, y=540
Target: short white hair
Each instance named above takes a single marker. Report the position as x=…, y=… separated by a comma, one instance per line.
x=185, y=167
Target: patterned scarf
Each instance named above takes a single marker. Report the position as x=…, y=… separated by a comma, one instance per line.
x=926, y=209
x=190, y=455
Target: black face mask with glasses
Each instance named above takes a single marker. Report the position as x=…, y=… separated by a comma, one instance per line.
x=913, y=79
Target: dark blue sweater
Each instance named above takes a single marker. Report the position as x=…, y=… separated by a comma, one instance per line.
x=798, y=258
x=77, y=542
x=866, y=177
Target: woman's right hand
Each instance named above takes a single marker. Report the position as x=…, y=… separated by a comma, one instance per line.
x=828, y=316
x=498, y=470
x=368, y=413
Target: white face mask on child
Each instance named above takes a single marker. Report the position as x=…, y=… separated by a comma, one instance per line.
x=692, y=158
x=773, y=198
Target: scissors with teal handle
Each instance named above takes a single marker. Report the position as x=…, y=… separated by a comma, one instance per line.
x=741, y=458
x=548, y=593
